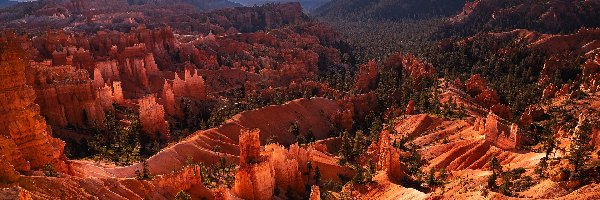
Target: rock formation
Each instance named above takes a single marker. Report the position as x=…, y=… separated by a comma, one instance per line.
x=8, y=174
x=191, y=85
x=15, y=193
x=367, y=77
x=388, y=158
x=67, y=96
x=315, y=193
x=249, y=147
x=25, y=138
x=254, y=179
x=410, y=108
x=501, y=135
x=549, y=16
x=118, y=92
x=416, y=69
x=152, y=117
x=287, y=171
x=355, y=107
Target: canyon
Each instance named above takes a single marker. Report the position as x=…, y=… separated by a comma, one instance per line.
x=208, y=99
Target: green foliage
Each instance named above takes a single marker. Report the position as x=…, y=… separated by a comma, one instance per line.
x=328, y=187
x=431, y=178
x=181, y=195
x=50, y=171
x=221, y=174
x=541, y=167
x=505, y=186
x=513, y=75
x=352, y=147
x=413, y=162
x=495, y=165
x=491, y=181
x=580, y=149
x=294, y=129
x=309, y=167
x=435, y=181
x=496, y=170
x=363, y=175
x=317, y=176
x=512, y=180
x=373, y=39
x=118, y=143
x=145, y=173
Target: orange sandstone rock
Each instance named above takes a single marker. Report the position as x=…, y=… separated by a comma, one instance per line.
x=315, y=193
x=152, y=116
x=8, y=174
x=500, y=134
x=367, y=77
x=249, y=147
x=67, y=96
x=118, y=93
x=255, y=177
x=410, y=108
x=255, y=182
x=22, y=128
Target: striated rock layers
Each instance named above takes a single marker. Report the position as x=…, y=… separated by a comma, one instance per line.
x=152, y=116
x=161, y=187
x=261, y=172
x=388, y=157
x=25, y=139
x=67, y=96
x=254, y=179
x=498, y=133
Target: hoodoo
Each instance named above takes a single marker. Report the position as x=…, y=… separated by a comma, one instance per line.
x=315, y=99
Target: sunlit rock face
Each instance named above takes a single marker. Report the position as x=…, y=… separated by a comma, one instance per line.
x=501, y=135
x=67, y=96
x=26, y=140
x=254, y=179
x=152, y=117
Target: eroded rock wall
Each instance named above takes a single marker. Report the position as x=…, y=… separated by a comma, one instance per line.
x=26, y=137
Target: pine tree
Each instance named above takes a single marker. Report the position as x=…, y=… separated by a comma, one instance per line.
x=346, y=148
x=181, y=195
x=505, y=187
x=431, y=178
x=50, y=171
x=580, y=149
x=541, y=167
x=317, y=176
x=295, y=131
x=443, y=175
x=145, y=173
x=495, y=165
x=359, y=177
x=491, y=182
x=496, y=170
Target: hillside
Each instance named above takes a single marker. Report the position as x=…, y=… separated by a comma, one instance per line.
x=384, y=99
x=547, y=16
x=307, y=5
x=200, y=4
x=388, y=9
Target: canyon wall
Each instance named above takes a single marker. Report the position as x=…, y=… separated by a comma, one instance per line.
x=501, y=135
x=27, y=142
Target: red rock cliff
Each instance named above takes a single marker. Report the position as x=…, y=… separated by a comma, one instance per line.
x=26, y=141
